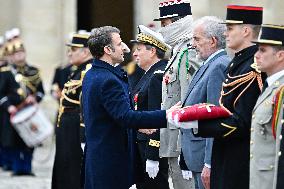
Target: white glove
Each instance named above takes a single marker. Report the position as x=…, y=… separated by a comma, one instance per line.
x=186, y=174
x=152, y=168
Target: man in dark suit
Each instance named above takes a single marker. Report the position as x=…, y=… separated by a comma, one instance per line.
x=148, y=96
x=108, y=113
x=240, y=90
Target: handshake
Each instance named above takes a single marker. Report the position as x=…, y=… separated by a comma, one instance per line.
x=187, y=117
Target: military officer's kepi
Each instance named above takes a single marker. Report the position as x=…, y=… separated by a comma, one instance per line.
x=174, y=8
x=18, y=46
x=148, y=36
x=79, y=40
x=237, y=14
x=271, y=35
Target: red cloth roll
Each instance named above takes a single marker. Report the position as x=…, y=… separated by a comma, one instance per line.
x=200, y=112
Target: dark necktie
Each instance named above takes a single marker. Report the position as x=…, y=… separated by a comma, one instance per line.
x=265, y=85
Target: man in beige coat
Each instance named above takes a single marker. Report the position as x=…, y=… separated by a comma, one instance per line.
x=266, y=161
x=176, y=21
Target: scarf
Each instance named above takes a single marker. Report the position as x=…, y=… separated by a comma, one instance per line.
x=178, y=31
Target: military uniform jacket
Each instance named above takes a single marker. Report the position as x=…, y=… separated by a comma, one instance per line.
x=265, y=150
x=70, y=99
x=107, y=114
x=29, y=80
x=148, y=96
x=177, y=76
x=230, y=152
x=61, y=76
x=9, y=90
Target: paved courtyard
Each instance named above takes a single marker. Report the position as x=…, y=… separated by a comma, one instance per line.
x=42, y=167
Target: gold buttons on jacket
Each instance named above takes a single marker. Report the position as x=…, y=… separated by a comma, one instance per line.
x=253, y=116
x=251, y=129
x=279, y=153
x=280, y=137
x=251, y=156
x=251, y=142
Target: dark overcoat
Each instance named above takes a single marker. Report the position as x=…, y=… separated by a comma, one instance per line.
x=107, y=115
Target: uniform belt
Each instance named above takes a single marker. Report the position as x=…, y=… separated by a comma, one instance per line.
x=71, y=110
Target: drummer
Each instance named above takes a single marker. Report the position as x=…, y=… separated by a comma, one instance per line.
x=31, y=89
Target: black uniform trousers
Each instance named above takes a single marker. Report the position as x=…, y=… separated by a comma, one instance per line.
x=68, y=159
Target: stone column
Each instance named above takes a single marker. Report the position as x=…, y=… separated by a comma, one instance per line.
x=44, y=26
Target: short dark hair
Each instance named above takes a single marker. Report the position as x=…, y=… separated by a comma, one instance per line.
x=101, y=37
x=159, y=52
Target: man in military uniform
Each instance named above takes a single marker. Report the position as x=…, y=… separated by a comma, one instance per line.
x=266, y=158
x=60, y=78
x=70, y=131
x=7, y=87
x=176, y=21
x=242, y=86
x=147, y=94
x=31, y=90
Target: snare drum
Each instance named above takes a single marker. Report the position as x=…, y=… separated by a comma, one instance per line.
x=32, y=125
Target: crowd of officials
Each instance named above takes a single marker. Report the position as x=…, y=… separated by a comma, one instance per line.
x=114, y=127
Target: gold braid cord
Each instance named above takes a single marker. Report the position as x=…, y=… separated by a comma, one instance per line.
x=240, y=80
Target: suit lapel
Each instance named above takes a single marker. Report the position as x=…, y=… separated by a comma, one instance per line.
x=200, y=72
x=171, y=61
x=145, y=77
x=196, y=78
x=265, y=94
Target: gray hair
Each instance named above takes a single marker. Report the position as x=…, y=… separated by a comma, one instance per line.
x=101, y=37
x=213, y=28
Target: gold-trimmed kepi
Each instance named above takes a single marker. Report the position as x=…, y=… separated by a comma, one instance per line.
x=271, y=35
x=148, y=36
x=238, y=14
x=79, y=40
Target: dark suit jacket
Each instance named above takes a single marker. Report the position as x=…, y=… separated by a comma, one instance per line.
x=205, y=87
x=230, y=153
x=107, y=115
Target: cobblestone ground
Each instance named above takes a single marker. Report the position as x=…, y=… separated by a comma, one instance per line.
x=42, y=168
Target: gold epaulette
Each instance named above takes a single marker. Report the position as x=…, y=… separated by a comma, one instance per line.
x=83, y=73
x=5, y=69
x=154, y=143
